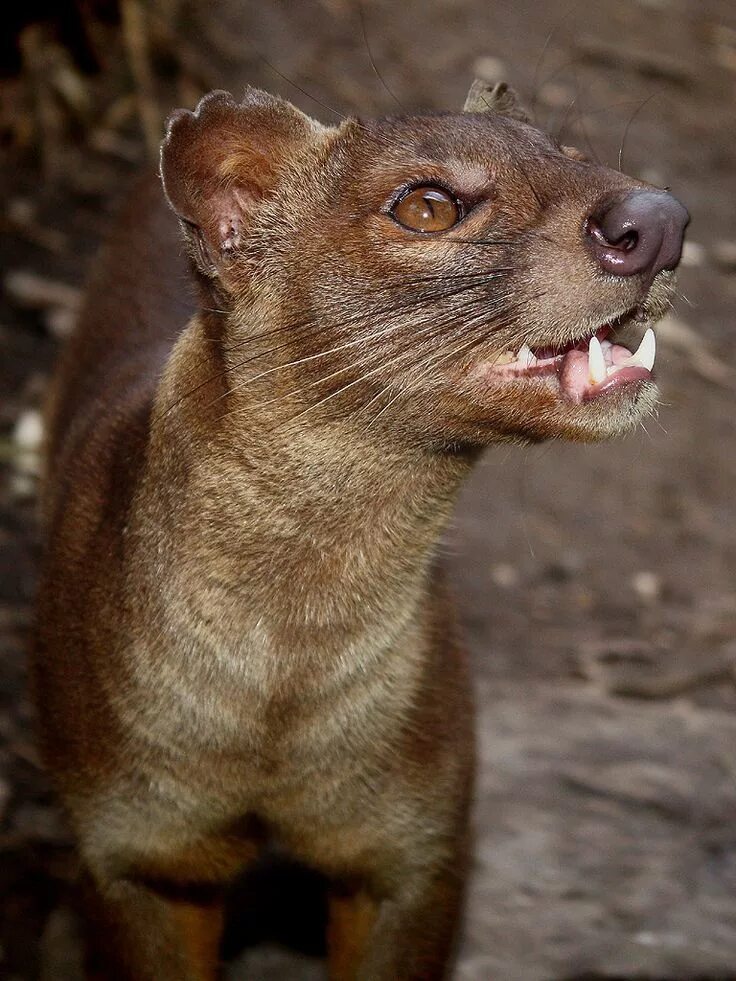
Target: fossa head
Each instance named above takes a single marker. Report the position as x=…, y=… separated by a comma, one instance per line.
x=458, y=278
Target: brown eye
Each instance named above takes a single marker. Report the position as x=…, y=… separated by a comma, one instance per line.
x=427, y=209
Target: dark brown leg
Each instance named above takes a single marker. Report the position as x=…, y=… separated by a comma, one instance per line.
x=351, y=919
x=410, y=934
x=414, y=935
x=140, y=933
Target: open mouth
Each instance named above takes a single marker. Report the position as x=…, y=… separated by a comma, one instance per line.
x=585, y=369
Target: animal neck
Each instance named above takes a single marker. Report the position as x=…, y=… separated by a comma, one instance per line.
x=325, y=522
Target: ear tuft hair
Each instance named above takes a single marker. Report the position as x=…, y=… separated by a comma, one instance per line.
x=496, y=97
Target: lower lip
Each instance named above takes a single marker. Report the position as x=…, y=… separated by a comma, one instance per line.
x=571, y=369
x=622, y=377
x=574, y=380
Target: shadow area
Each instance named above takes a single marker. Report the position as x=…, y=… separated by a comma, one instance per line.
x=277, y=902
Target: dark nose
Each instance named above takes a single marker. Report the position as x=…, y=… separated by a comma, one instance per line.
x=640, y=233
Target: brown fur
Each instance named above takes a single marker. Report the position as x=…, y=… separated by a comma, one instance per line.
x=243, y=635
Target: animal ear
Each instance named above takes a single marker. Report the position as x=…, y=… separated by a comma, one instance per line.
x=495, y=97
x=221, y=161
x=574, y=154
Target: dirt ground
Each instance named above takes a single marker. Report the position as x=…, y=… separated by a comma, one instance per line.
x=596, y=584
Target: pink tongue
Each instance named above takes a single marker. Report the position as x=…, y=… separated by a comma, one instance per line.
x=575, y=380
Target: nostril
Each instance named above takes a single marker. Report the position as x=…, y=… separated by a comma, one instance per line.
x=626, y=242
x=638, y=234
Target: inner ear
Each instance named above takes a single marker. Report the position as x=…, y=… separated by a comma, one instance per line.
x=220, y=162
x=496, y=97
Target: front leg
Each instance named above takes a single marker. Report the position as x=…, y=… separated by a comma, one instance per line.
x=400, y=922
x=410, y=840
x=407, y=936
x=138, y=932
x=415, y=932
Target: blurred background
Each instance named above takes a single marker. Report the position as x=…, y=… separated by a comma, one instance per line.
x=595, y=584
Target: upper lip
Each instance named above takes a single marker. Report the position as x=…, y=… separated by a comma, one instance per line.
x=626, y=329
x=530, y=358
x=597, y=361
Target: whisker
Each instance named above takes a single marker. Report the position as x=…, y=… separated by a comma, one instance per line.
x=384, y=391
x=571, y=63
x=299, y=88
x=531, y=186
x=432, y=326
x=686, y=299
x=481, y=277
x=430, y=365
x=316, y=326
x=628, y=127
x=377, y=311
x=565, y=117
x=462, y=241
x=221, y=374
x=540, y=61
x=655, y=416
x=592, y=112
x=580, y=116
x=468, y=323
x=313, y=357
x=480, y=241
x=381, y=79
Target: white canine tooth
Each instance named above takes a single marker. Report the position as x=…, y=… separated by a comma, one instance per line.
x=596, y=361
x=525, y=356
x=645, y=353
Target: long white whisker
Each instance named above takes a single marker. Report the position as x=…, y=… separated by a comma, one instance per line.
x=428, y=366
x=314, y=324
x=432, y=325
x=381, y=367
